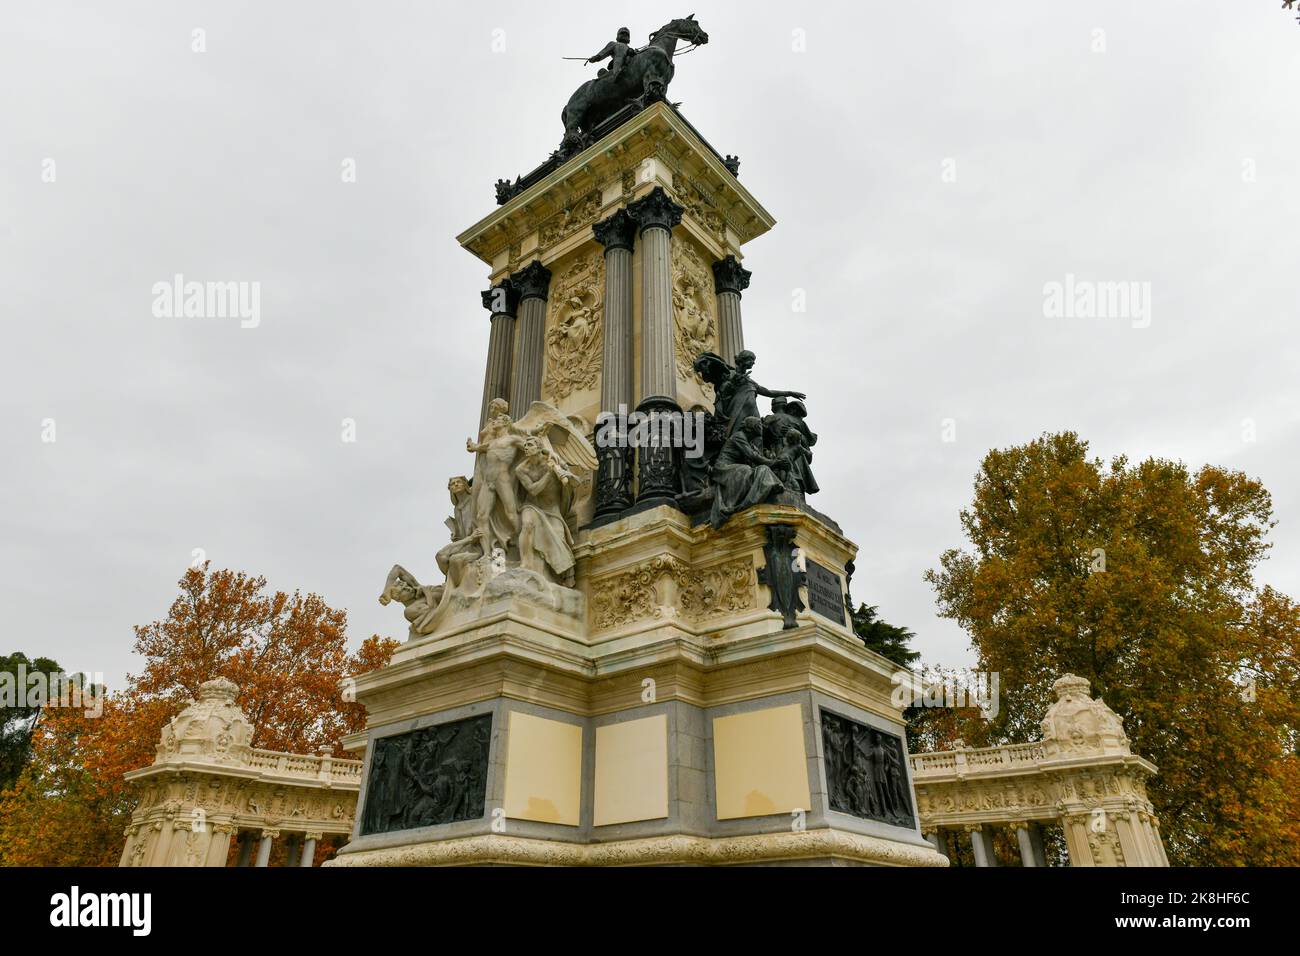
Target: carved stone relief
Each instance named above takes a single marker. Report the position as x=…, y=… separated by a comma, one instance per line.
x=430, y=776
x=580, y=212
x=574, y=335
x=701, y=594
x=865, y=771
x=693, y=309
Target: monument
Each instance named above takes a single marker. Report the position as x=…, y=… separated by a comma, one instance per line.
x=638, y=651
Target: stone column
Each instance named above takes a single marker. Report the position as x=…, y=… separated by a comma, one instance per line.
x=1027, y=857
x=935, y=838
x=981, y=841
x=291, y=849
x=614, y=477
x=264, y=848
x=533, y=284
x=245, y=848
x=730, y=279
x=309, y=849
x=656, y=214
x=219, y=848
x=503, y=302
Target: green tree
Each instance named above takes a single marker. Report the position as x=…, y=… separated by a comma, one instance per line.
x=1141, y=579
x=17, y=718
x=887, y=640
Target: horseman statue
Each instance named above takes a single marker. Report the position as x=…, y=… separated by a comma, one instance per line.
x=634, y=76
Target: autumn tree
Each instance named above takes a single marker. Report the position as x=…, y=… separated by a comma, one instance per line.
x=287, y=653
x=1141, y=579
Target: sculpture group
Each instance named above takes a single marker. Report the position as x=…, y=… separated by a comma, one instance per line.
x=517, y=513
x=749, y=458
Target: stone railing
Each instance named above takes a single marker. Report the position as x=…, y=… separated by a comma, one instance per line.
x=978, y=760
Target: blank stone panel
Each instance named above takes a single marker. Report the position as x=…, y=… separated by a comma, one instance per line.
x=543, y=770
x=632, y=771
x=760, y=766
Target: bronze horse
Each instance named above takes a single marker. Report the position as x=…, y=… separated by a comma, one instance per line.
x=643, y=79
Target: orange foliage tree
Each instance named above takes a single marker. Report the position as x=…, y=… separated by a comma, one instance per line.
x=287, y=653
x=1141, y=579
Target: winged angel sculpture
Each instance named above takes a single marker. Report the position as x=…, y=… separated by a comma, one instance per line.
x=516, y=513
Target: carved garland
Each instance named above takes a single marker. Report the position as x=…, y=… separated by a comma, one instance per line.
x=574, y=335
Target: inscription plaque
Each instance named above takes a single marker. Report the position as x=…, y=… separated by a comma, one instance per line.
x=865, y=773
x=433, y=775
x=825, y=596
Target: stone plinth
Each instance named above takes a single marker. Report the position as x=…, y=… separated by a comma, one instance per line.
x=678, y=721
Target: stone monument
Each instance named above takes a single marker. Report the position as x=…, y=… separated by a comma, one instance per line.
x=638, y=651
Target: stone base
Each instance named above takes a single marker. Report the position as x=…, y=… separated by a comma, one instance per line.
x=679, y=719
x=816, y=847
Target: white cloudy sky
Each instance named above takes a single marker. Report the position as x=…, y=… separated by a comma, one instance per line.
x=925, y=297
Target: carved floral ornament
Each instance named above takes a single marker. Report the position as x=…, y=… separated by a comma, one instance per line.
x=574, y=334
x=643, y=592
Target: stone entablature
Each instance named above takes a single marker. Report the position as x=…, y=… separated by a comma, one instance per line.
x=656, y=147
x=207, y=785
x=1082, y=775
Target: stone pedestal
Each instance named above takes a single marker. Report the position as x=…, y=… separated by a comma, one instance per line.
x=673, y=719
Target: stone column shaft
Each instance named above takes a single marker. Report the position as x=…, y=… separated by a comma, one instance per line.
x=981, y=842
x=614, y=478
x=1027, y=857
x=264, y=848
x=656, y=214
x=309, y=850
x=730, y=279
x=245, y=848
x=533, y=284
x=503, y=302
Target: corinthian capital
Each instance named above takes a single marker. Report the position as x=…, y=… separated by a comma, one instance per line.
x=656, y=209
x=730, y=276
x=501, y=299
x=533, y=281
x=616, y=232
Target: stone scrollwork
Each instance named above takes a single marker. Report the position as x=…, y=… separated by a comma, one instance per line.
x=697, y=595
x=700, y=207
x=581, y=212
x=631, y=595
x=693, y=310
x=574, y=336
x=717, y=591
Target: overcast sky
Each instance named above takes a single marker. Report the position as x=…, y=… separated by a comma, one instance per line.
x=1162, y=150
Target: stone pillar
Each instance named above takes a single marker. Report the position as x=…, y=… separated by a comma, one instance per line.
x=503, y=302
x=1036, y=844
x=981, y=841
x=533, y=284
x=656, y=214
x=245, y=848
x=1075, y=827
x=309, y=849
x=614, y=476
x=935, y=838
x=730, y=279
x=291, y=852
x=264, y=848
x=219, y=848
x=1027, y=855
